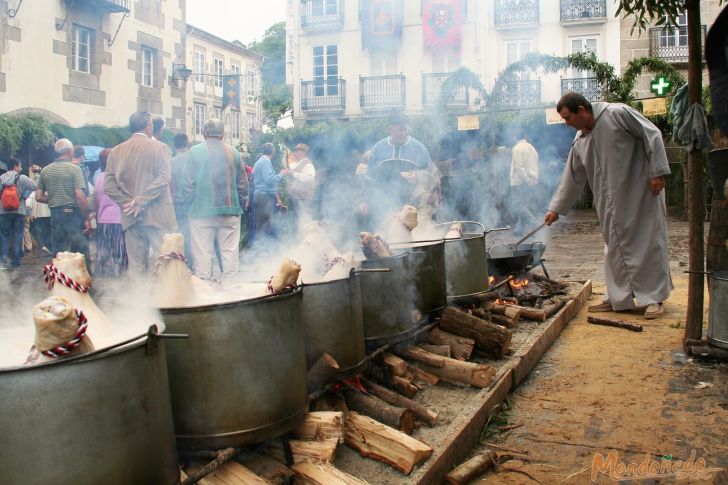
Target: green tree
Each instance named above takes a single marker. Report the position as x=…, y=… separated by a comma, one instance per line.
x=276, y=96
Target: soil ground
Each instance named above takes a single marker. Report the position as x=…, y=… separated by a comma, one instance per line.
x=599, y=389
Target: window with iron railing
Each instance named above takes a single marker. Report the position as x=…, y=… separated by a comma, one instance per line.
x=589, y=87
x=382, y=91
x=515, y=12
x=583, y=10
x=314, y=98
x=671, y=43
x=432, y=90
x=322, y=14
x=519, y=93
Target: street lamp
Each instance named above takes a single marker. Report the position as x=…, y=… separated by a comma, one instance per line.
x=180, y=71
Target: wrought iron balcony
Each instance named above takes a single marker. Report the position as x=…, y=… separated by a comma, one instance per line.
x=671, y=43
x=322, y=14
x=323, y=96
x=587, y=86
x=519, y=94
x=377, y=92
x=108, y=6
x=432, y=88
x=575, y=11
x=515, y=12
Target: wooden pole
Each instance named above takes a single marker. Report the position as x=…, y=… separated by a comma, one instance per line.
x=696, y=201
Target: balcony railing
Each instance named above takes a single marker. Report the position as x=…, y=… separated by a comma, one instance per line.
x=432, y=88
x=587, y=86
x=671, y=43
x=515, y=12
x=324, y=96
x=574, y=11
x=322, y=15
x=376, y=92
x=519, y=94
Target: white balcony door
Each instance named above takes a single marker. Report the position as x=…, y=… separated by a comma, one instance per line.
x=584, y=44
x=199, y=69
x=326, y=70
x=217, y=70
x=383, y=62
x=515, y=51
x=676, y=36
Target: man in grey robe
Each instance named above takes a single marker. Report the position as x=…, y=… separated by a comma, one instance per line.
x=622, y=156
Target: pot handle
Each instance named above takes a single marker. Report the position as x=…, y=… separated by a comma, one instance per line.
x=496, y=229
x=372, y=270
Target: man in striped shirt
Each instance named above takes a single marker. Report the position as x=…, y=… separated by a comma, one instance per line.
x=61, y=186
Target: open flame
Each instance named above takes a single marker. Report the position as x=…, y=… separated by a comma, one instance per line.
x=498, y=301
x=491, y=279
x=517, y=284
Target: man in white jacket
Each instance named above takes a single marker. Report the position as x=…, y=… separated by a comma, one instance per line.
x=302, y=182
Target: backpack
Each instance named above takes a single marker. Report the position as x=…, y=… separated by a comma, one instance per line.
x=11, y=197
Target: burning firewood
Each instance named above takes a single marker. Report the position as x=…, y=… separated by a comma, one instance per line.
x=490, y=338
x=60, y=331
x=373, y=246
x=401, y=225
x=286, y=277
x=455, y=231
x=375, y=440
x=68, y=277
x=400, y=418
x=323, y=474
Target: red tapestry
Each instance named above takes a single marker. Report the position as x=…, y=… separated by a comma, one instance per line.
x=442, y=22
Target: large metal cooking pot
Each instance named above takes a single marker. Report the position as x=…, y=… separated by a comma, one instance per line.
x=102, y=417
x=387, y=299
x=718, y=317
x=466, y=265
x=332, y=317
x=241, y=376
x=427, y=270
x=508, y=259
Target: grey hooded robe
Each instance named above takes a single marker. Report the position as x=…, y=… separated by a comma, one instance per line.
x=618, y=157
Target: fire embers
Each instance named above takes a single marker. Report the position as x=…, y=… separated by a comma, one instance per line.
x=529, y=289
x=374, y=246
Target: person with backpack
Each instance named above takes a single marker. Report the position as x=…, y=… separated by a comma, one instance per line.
x=15, y=188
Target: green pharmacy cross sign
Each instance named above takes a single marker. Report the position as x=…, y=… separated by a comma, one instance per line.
x=659, y=86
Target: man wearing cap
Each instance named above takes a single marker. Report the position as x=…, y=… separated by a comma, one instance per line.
x=301, y=185
x=216, y=187
x=397, y=165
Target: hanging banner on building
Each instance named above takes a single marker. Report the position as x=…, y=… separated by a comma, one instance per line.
x=381, y=23
x=553, y=117
x=231, y=91
x=442, y=23
x=654, y=106
x=468, y=122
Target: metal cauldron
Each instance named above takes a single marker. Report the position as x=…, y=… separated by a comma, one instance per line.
x=332, y=317
x=241, y=376
x=427, y=270
x=466, y=264
x=102, y=417
x=718, y=317
x=387, y=299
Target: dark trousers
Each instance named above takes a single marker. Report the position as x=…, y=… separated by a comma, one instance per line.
x=67, y=231
x=11, y=229
x=40, y=229
x=264, y=207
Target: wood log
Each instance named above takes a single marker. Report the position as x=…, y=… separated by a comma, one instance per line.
x=302, y=450
x=233, y=472
x=615, y=323
x=443, y=350
x=474, y=467
x=504, y=320
x=400, y=418
x=554, y=309
x=493, y=339
x=324, y=370
x=396, y=366
x=329, y=402
x=543, y=279
x=420, y=355
x=321, y=425
x=478, y=375
x=525, y=312
x=404, y=386
x=200, y=470
x=460, y=347
x=708, y=352
x=380, y=442
x=423, y=375
x=266, y=467
x=323, y=474
x=391, y=397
